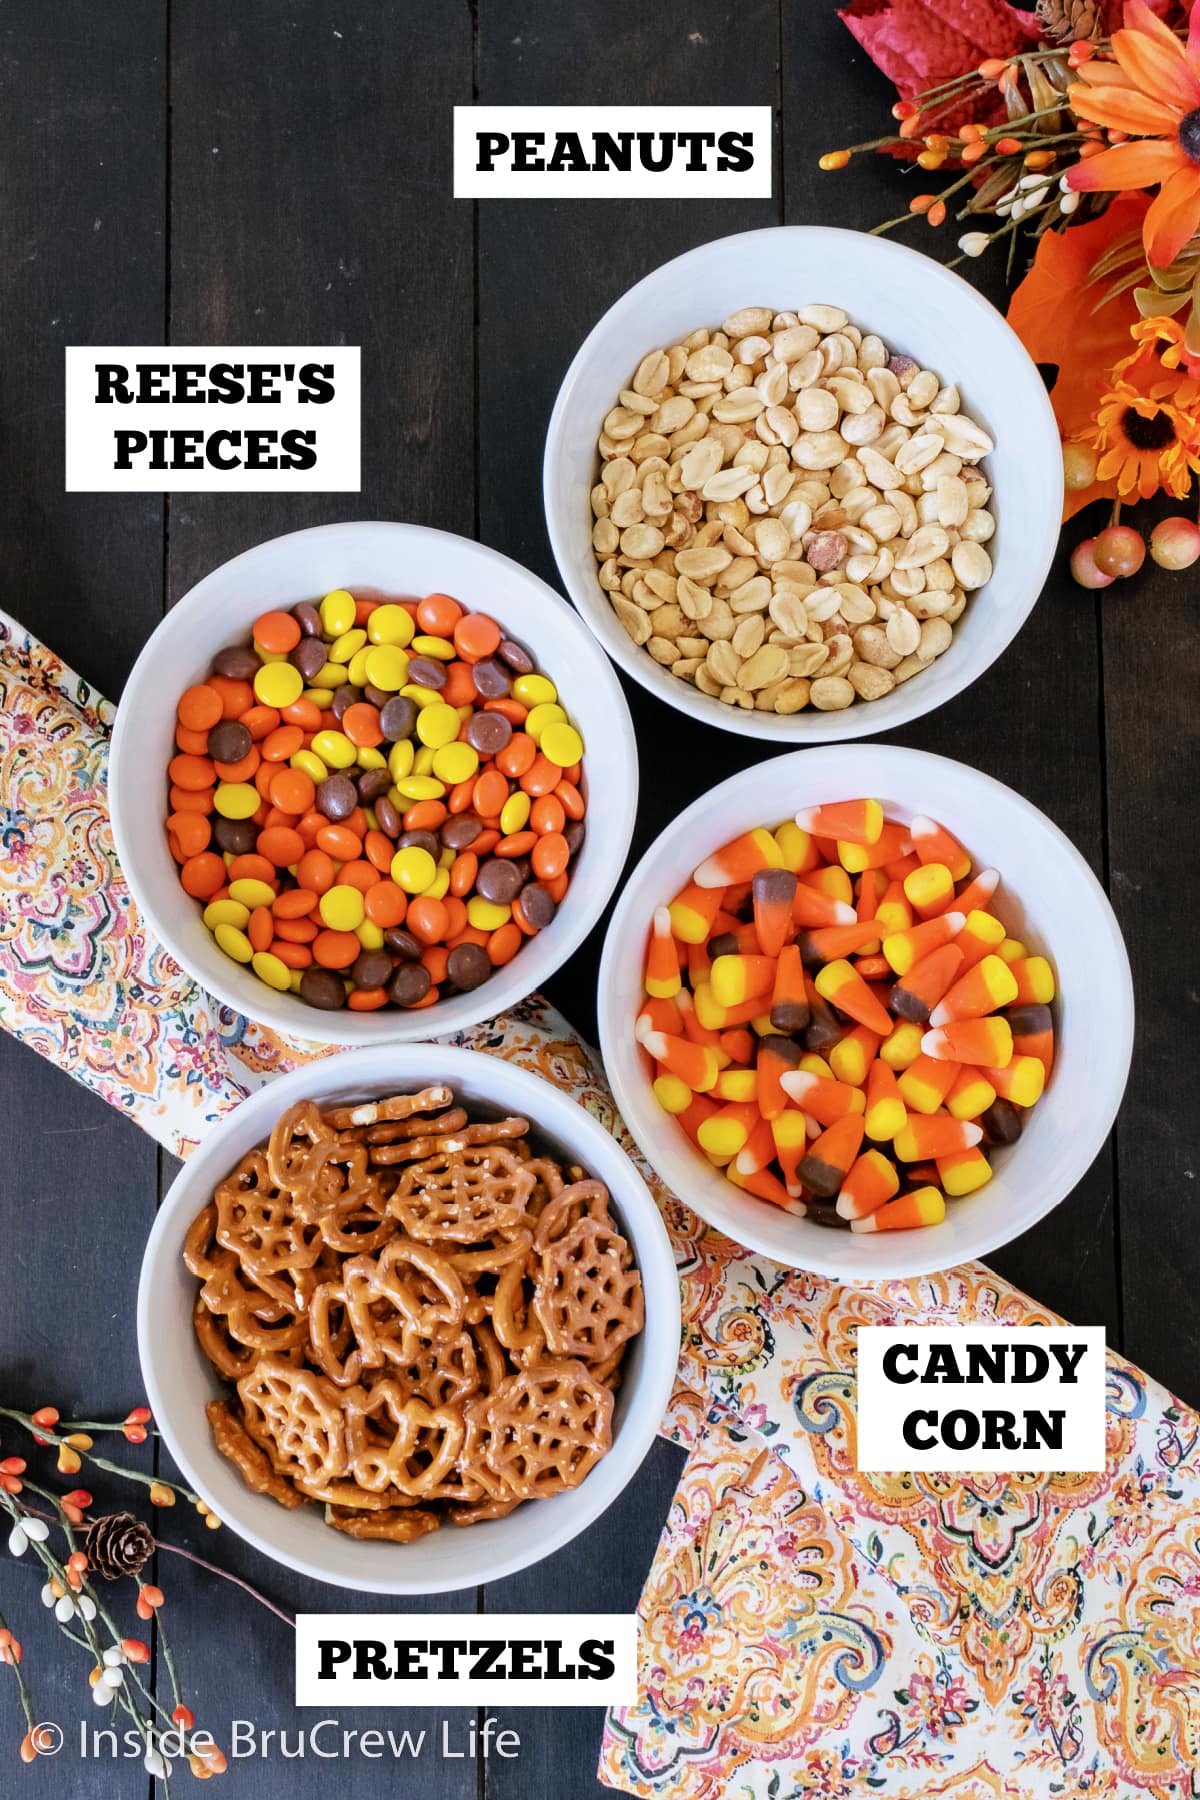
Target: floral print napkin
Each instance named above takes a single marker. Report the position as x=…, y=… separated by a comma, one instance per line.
x=809, y=1632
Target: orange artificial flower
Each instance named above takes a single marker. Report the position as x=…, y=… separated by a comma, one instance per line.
x=1145, y=431
x=1168, y=332
x=1151, y=93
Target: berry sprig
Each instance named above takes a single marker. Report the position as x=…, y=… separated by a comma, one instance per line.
x=75, y=1444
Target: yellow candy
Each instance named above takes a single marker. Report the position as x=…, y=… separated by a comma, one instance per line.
x=250, y=892
x=341, y=908
x=447, y=858
x=268, y=968
x=514, y=814
x=387, y=667
x=438, y=886
x=370, y=758
x=268, y=656
x=437, y=725
x=390, y=625
x=278, y=684
x=400, y=759
x=310, y=762
x=532, y=690
x=423, y=760
x=332, y=676
x=540, y=716
x=370, y=935
x=294, y=983
x=413, y=869
x=322, y=697
x=358, y=667
x=347, y=645
x=338, y=612
x=453, y=763
x=561, y=745
x=673, y=1095
x=421, y=696
x=334, y=748
x=794, y=844
x=439, y=647
x=234, y=943
x=237, y=799
x=421, y=787
x=225, y=912
x=487, y=915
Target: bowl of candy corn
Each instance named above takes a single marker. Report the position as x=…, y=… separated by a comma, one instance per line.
x=867, y=1011
x=350, y=777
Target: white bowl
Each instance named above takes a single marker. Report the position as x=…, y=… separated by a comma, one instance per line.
x=399, y=559
x=916, y=306
x=180, y=1381
x=1048, y=897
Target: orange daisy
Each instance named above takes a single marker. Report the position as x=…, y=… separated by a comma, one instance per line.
x=1152, y=93
x=1145, y=432
x=1170, y=334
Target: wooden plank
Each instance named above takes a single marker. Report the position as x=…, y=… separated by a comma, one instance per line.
x=1151, y=639
x=82, y=174
x=1033, y=720
x=313, y=206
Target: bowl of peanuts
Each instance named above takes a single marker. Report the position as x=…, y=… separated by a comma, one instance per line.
x=408, y=1319
x=776, y=478
x=912, y=1066
x=349, y=783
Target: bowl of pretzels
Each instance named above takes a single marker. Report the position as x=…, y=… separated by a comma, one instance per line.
x=408, y=1319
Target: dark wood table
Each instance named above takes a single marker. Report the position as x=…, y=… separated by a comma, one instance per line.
x=209, y=171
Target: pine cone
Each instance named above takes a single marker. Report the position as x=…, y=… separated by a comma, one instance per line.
x=1064, y=20
x=118, y=1545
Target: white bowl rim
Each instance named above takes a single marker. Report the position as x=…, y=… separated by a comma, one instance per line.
x=659, y=1339
x=907, y=1258
x=284, y=1013
x=807, y=727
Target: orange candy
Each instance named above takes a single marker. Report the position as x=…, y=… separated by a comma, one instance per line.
x=292, y=790
x=335, y=949
x=438, y=615
x=277, y=632
x=202, y=875
x=200, y=708
x=476, y=636
x=360, y=723
x=280, y=845
x=385, y=904
x=315, y=871
x=427, y=920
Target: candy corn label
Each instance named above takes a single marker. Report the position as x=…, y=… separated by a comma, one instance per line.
x=975, y=1398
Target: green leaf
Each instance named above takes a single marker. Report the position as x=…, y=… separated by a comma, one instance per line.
x=1153, y=305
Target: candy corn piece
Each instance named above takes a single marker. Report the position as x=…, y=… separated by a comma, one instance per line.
x=873, y=968
x=963, y=1171
x=893, y=912
x=739, y=860
x=870, y=1184
x=701, y=1108
x=829, y=1160
x=672, y=1094
x=869, y=890
x=1020, y=1080
x=764, y=1186
x=892, y=843
x=857, y=821
x=797, y=848
x=971, y=1094
x=660, y=1015
x=916, y=994
x=826, y=1100
x=886, y=1113
x=772, y=892
x=977, y=893
x=1033, y=1033
x=982, y=935
x=902, y=1048
x=822, y=1029
x=722, y=1018
x=790, y=1132
x=692, y=912
x=735, y=1084
x=789, y=999
x=1035, y=980
x=728, y=1130
x=924, y=1085
x=937, y=1136
x=775, y=1058
x=929, y=890
x=987, y=1042
x=842, y=986
x=813, y=907
x=920, y=1206
x=736, y=979
x=989, y=985
x=828, y=942
x=691, y=1023
x=854, y=1054
x=757, y=1151
x=697, y=1064
x=662, y=978
x=1001, y=1122
x=904, y=948
x=1012, y=950
x=830, y=880
x=933, y=843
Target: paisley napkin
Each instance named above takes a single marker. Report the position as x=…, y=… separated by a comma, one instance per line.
x=807, y=1630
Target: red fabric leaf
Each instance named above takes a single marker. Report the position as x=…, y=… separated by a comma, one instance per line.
x=921, y=43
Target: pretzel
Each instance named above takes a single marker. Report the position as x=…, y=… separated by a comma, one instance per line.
x=587, y=1296
x=420, y=1319
x=465, y=1195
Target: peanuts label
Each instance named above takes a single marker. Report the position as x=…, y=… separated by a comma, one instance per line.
x=612, y=152
x=966, y=1397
